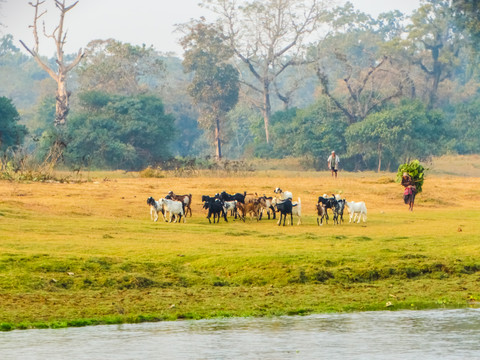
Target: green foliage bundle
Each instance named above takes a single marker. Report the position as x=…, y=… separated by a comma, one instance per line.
x=415, y=170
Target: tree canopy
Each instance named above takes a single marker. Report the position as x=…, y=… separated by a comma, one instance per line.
x=267, y=79
x=117, y=131
x=12, y=133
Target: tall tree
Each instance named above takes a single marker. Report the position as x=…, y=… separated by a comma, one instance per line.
x=59, y=74
x=354, y=71
x=215, y=84
x=436, y=43
x=268, y=37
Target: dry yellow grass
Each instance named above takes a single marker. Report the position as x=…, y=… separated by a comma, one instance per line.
x=126, y=197
x=125, y=265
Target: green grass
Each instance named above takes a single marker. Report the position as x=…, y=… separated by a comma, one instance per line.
x=92, y=256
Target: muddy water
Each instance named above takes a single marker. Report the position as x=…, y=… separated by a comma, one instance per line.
x=438, y=334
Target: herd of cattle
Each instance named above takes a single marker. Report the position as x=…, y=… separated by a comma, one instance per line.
x=242, y=205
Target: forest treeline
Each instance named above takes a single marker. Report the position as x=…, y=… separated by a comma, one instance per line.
x=269, y=79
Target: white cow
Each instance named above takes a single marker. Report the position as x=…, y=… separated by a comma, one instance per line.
x=155, y=208
x=174, y=208
x=297, y=210
x=357, y=209
x=284, y=195
x=230, y=206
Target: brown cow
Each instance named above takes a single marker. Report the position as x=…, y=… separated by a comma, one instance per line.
x=253, y=208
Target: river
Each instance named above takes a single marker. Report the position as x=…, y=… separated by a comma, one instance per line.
x=433, y=334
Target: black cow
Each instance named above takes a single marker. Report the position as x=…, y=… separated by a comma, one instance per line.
x=328, y=203
x=339, y=207
x=224, y=196
x=215, y=207
x=285, y=208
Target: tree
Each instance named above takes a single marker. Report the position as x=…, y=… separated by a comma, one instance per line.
x=119, y=132
x=467, y=16
x=12, y=134
x=400, y=133
x=317, y=130
x=215, y=84
x=436, y=43
x=466, y=127
x=354, y=71
x=267, y=37
x=118, y=68
x=63, y=68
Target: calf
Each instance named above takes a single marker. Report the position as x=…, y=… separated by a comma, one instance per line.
x=155, y=208
x=357, y=208
x=174, y=208
x=285, y=208
x=321, y=214
x=252, y=208
x=296, y=209
x=185, y=199
x=328, y=203
x=230, y=206
x=215, y=208
x=267, y=205
x=338, y=213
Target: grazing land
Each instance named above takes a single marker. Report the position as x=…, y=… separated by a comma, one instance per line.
x=86, y=252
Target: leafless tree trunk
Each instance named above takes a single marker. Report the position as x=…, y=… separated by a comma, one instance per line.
x=218, y=143
x=59, y=74
x=379, y=157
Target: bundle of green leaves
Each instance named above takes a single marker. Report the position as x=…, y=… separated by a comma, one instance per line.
x=415, y=170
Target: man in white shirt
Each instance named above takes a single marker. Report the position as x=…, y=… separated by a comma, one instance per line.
x=332, y=163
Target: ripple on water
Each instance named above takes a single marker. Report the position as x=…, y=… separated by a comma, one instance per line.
x=445, y=334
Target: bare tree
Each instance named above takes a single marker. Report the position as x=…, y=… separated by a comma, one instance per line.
x=366, y=89
x=267, y=36
x=60, y=73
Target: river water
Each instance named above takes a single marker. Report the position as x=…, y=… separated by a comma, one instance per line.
x=416, y=335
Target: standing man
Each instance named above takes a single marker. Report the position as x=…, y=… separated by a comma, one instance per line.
x=332, y=163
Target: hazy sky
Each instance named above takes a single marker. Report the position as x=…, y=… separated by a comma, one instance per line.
x=149, y=22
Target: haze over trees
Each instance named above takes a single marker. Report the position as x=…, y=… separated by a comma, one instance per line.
x=215, y=83
x=268, y=79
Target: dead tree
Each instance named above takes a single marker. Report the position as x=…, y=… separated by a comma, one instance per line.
x=60, y=74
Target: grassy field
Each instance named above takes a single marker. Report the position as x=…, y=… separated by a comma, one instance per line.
x=74, y=254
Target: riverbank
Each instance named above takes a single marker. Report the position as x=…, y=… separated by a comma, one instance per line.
x=85, y=253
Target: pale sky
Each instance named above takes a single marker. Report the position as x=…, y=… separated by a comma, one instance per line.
x=149, y=22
